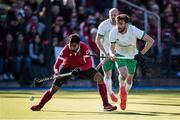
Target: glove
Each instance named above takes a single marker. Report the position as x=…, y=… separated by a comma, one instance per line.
x=139, y=58
x=76, y=71
x=55, y=76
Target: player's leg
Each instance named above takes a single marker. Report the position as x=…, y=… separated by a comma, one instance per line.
x=122, y=90
x=103, y=92
x=122, y=69
x=45, y=98
x=131, y=65
x=95, y=75
x=57, y=83
x=127, y=73
x=122, y=76
x=107, y=69
x=129, y=82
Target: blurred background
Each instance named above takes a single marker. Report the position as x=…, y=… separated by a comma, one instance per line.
x=33, y=32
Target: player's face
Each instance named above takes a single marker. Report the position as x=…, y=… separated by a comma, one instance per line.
x=74, y=47
x=112, y=16
x=121, y=26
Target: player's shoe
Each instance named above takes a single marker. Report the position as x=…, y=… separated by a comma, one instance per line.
x=114, y=98
x=123, y=97
x=35, y=108
x=109, y=108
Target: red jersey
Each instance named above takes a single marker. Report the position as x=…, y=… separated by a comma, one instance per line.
x=69, y=59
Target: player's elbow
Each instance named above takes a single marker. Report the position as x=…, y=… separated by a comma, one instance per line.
x=149, y=39
x=55, y=68
x=97, y=39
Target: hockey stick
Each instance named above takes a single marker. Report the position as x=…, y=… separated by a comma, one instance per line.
x=38, y=81
x=118, y=57
x=106, y=58
x=101, y=63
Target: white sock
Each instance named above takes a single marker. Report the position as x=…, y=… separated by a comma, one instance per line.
x=108, y=83
x=128, y=86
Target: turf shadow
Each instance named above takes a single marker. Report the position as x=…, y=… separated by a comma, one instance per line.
x=164, y=104
x=159, y=113
x=102, y=113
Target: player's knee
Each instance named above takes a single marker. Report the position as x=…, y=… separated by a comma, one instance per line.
x=107, y=75
x=123, y=76
x=129, y=79
x=98, y=78
x=54, y=89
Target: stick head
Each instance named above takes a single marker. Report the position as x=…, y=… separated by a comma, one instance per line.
x=37, y=83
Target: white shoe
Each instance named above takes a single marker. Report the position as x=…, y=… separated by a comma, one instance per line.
x=5, y=77
x=11, y=77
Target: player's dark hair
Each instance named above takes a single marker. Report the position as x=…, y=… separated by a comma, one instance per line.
x=74, y=38
x=124, y=17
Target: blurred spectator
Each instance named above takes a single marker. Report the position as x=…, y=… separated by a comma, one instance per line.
x=34, y=6
x=85, y=28
x=28, y=12
x=21, y=22
x=36, y=50
x=59, y=21
x=31, y=34
x=23, y=61
x=20, y=4
x=56, y=31
x=55, y=12
x=166, y=46
x=61, y=5
x=155, y=8
x=8, y=57
x=12, y=20
x=99, y=18
x=81, y=14
x=73, y=21
x=34, y=23
x=70, y=9
x=57, y=47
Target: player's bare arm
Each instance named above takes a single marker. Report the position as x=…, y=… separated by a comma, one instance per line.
x=99, y=44
x=149, y=42
x=111, y=51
